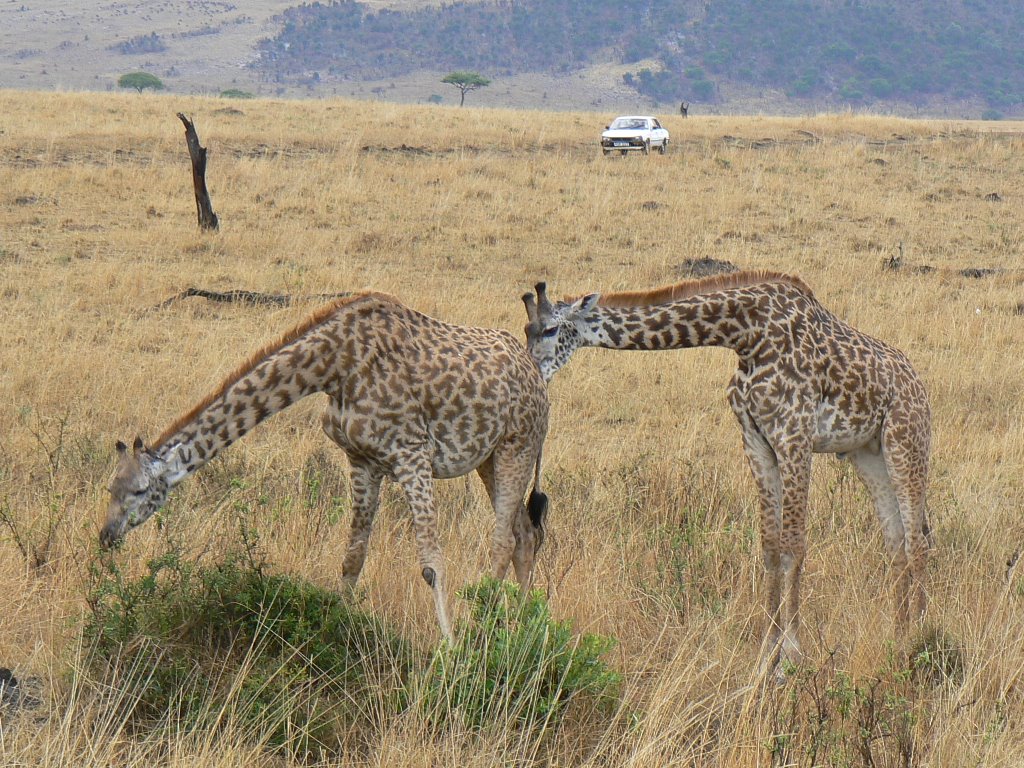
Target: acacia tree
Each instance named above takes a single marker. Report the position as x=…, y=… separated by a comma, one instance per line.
x=465, y=81
x=140, y=81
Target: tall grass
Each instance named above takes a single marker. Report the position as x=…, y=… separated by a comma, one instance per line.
x=652, y=535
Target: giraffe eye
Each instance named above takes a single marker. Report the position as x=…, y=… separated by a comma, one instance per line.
x=547, y=333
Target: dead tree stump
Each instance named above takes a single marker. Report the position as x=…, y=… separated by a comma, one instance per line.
x=207, y=218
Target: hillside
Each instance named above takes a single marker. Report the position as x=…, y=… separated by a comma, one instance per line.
x=943, y=59
x=809, y=51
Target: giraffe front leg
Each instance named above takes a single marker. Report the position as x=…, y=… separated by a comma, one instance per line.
x=415, y=476
x=795, y=472
x=765, y=470
x=365, y=483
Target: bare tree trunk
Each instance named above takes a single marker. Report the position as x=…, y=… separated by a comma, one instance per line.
x=207, y=218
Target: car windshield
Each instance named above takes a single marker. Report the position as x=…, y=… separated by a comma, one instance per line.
x=628, y=123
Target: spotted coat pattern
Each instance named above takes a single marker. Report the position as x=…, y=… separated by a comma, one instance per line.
x=410, y=398
x=806, y=383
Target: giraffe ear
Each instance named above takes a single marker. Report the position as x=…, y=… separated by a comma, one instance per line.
x=587, y=303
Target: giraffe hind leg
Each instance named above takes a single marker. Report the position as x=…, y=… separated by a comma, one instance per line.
x=519, y=528
x=906, y=459
x=873, y=473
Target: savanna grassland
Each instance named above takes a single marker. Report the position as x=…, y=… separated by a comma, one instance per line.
x=652, y=536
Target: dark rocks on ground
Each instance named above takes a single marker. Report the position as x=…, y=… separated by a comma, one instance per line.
x=705, y=267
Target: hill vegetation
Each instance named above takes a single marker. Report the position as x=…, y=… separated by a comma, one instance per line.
x=852, y=52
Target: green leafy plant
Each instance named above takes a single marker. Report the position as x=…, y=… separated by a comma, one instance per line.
x=827, y=716
x=512, y=663
x=297, y=663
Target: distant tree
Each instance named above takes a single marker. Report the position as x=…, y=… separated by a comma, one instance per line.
x=435, y=98
x=140, y=81
x=465, y=81
x=236, y=93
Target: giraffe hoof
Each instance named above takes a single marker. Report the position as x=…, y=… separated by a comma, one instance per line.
x=428, y=576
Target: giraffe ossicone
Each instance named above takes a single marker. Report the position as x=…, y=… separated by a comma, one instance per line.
x=409, y=398
x=806, y=383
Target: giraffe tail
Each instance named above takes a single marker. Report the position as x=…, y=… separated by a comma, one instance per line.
x=537, y=505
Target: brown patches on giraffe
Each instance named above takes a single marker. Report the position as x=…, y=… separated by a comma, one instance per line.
x=806, y=383
x=410, y=398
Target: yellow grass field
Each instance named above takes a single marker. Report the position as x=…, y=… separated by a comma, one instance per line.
x=652, y=535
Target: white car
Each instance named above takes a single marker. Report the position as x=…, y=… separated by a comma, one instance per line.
x=634, y=132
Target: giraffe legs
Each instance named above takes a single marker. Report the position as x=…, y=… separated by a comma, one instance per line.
x=414, y=474
x=781, y=472
x=765, y=469
x=782, y=478
x=872, y=470
x=906, y=459
x=516, y=538
x=365, y=483
x=795, y=473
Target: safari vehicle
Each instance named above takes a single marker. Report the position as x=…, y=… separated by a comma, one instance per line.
x=634, y=132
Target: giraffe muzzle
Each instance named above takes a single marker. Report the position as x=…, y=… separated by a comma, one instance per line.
x=112, y=535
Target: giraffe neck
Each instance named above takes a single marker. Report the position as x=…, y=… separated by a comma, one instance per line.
x=716, y=320
x=270, y=383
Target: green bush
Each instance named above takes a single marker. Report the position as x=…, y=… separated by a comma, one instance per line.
x=192, y=646
x=513, y=664
x=296, y=662
x=236, y=93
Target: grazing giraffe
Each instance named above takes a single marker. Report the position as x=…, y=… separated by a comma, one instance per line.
x=410, y=398
x=806, y=383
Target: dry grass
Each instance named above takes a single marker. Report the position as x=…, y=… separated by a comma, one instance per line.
x=458, y=212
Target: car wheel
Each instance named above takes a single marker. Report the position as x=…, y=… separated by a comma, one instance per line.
x=664, y=147
x=623, y=151
x=647, y=147
x=606, y=152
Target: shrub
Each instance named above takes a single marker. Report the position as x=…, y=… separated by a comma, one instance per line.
x=236, y=93
x=827, y=716
x=294, y=661
x=512, y=664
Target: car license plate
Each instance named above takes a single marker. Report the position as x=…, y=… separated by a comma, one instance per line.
x=620, y=143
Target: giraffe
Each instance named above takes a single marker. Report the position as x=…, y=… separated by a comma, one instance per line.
x=410, y=398
x=806, y=383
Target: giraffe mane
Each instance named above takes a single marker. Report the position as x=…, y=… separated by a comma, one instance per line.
x=319, y=316
x=689, y=288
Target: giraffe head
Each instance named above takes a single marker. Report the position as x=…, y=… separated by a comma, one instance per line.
x=138, y=488
x=555, y=331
